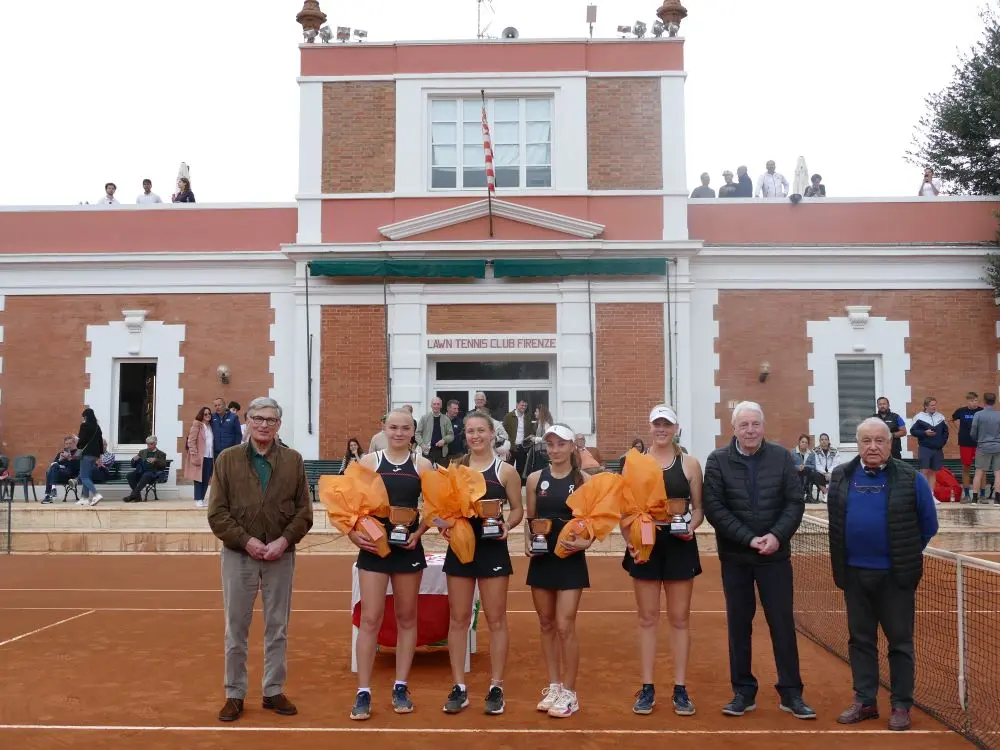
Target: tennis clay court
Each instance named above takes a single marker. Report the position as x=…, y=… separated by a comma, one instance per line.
x=120, y=652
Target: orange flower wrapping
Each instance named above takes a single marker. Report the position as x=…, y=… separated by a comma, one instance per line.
x=352, y=499
x=597, y=508
x=644, y=501
x=450, y=496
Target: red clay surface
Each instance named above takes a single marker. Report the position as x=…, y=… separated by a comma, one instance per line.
x=143, y=667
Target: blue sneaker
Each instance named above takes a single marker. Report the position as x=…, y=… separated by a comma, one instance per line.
x=739, y=705
x=401, y=702
x=682, y=702
x=645, y=699
x=458, y=699
x=797, y=708
x=362, y=706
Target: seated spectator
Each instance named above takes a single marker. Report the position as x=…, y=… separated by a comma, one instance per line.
x=590, y=459
x=64, y=468
x=105, y=465
x=148, y=464
x=826, y=459
x=805, y=463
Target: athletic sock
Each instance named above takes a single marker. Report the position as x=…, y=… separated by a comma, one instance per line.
x=461, y=687
x=364, y=690
x=397, y=683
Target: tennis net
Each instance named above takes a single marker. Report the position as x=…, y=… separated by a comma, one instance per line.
x=955, y=636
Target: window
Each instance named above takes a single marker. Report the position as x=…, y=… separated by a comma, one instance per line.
x=492, y=370
x=521, y=130
x=856, y=386
x=135, y=403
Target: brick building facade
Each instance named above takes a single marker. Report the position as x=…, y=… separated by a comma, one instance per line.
x=602, y=291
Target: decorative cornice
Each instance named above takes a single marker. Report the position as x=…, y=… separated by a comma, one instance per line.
x=858, y=316
x=504, y=209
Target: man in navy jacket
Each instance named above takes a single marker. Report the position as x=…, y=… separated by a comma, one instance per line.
x=930, y=428
x=226, y=430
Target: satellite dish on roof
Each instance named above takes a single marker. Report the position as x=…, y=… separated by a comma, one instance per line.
x=510, y=33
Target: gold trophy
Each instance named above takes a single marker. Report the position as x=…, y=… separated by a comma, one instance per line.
x=678, y=524
x=490, y=512
x=540, y=528
x=401, y=520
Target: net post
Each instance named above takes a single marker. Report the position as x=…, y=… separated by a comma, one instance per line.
x=960, y=607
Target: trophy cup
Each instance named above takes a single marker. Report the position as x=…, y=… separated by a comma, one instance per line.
x=489, y=511
x=401, y=520
x=540, y=528
x=678, y=524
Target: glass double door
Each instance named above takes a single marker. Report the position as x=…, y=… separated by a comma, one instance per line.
x=500, y=400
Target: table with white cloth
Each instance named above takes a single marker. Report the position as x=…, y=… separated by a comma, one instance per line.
x=432, y=612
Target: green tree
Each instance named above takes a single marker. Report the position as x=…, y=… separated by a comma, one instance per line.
x=959, y=136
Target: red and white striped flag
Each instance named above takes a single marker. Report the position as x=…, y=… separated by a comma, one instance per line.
x=491, y=186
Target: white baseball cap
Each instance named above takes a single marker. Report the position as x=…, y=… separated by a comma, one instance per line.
x=663, y=412
x=561, y=431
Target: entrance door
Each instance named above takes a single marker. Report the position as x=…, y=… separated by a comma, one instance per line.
x=504, y=383
x=498, y=402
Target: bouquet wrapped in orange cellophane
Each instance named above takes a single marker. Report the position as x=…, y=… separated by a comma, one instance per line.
x=644, y=501
x=352, y=499
x=596, y=506
x=450, y=496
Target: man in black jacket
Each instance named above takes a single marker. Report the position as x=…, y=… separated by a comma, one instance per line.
x=753, y=499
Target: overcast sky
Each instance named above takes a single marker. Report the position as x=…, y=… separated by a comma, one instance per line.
x=118, y=90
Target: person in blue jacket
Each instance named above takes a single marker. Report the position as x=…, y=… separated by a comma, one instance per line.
x=226, y=430
x=930, y=428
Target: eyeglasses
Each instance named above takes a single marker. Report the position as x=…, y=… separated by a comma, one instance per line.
x=261, y=421
x=865, y=489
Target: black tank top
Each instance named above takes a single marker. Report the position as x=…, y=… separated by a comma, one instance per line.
x=494, y=487
x=551, y=494
x=402, y=482
x=675, y=482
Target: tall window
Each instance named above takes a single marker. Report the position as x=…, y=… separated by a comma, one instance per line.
x=136, y=402
x=521, y=130
x=856, y=386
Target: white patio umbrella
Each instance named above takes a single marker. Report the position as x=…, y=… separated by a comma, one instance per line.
x=800, y=181
x=184, y=171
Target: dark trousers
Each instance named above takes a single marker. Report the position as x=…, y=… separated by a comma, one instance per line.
x=200, y=488
x=138, y=479
x=518, y=456
x=774, y=582
x=874, y=599
x=56, y=474
x=434, y=455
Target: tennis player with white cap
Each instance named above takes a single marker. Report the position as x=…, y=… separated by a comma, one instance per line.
x=673, y=564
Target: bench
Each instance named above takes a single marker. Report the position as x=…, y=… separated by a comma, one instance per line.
x=118, y=477
x=317, y=468
x=614, y=465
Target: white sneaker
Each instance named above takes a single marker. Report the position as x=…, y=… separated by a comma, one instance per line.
x=200, y=504
x=566, y=705
x=83, y=501
x=549, y=696
x=95, y=500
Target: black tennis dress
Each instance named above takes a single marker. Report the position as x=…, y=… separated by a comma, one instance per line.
x=492, y=559
x=672, y=559
x=549, y=571
x=402, y=484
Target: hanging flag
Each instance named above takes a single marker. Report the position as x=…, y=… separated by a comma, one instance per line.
x=491, y=186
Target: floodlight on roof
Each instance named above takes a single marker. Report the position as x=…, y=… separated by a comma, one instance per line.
x=639, y=29
x=325, y=34
x=658, y=28
x=360, y=34
x=343, y=33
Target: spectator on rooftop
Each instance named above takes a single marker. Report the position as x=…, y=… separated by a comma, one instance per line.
x=147, y=195
x=703, y=190
x=817, y=189
x=771, y=184
x=183, y=194
x=730, y=189
x=744, y=188
x=931, y=186
x=108, y=199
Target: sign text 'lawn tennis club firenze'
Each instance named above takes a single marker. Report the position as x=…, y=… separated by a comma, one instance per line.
x=492, y=343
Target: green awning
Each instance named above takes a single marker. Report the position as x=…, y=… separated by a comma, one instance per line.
x=539, y=267
x=424, y=268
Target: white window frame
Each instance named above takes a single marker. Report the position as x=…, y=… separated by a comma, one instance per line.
x=460, y=97
x=114, y=445
x=852, y=444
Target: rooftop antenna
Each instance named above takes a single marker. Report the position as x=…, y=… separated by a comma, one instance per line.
x=480, y=29
x=591, y=18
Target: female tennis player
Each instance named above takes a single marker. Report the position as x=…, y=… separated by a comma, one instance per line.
x=673, y=565
x=557, y=582
x=491, y=568
x=400, y=473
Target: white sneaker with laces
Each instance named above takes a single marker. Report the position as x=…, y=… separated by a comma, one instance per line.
x=83, y=501
x=549, y=696
x=565, y=705
x=95, y=500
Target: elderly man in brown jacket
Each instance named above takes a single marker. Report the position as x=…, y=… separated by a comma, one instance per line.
x=260, y=509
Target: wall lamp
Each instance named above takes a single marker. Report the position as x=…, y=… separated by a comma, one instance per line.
x=765, y=370
x=223, y=372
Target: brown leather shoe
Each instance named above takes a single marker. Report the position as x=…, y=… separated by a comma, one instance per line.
x=858, y=712
x=899, y=721
x=232, y=710
x=280, y=705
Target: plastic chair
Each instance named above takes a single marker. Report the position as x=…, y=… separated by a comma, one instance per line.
x=23, y=470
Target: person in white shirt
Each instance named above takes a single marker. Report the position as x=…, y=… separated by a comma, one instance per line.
x=931, y=186
x=771, y=184
x=108, y=199
x=147, y=195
